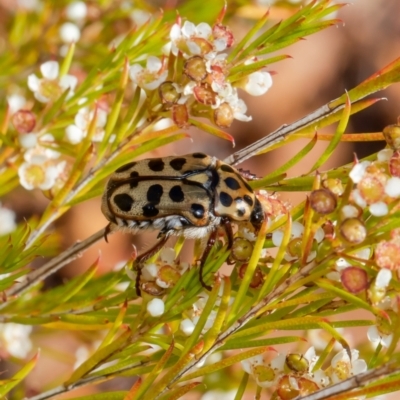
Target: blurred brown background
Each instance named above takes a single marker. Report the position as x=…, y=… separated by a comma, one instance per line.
x=323, y=67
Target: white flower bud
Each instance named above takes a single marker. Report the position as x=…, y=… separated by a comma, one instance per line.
x=155, y=307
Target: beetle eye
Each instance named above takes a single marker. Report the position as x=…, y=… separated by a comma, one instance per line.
x=257, y=215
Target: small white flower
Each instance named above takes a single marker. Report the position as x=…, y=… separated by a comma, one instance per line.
x=319, y=376
x=167, y=255
x=364, y=253
x=277, y=237
x=69, y=32
x=40, y=176
x=186, y=38
x=7, y=221
x=150, y=271
x=379, y=209
x=358, y=171
x=239, y=109
x=16, y=102
x=358, y=198
x=278, y=362
x=383, y=278
x=40, y=169
x=140, y=17
x=343, y=368
x=151, y=77
x=376, y=337
x=187, y=326
x=28, y=140
x=342, y=264
x=349, y=211
x=249, y=364
x=155, y=307
x=74, y=134
x=392, y=187
x=249, y=235
x=15, y=339
x=319, y=235
x=297, y=229
x=77, y=132
x=257, y=83
x=50, y=87
x=76, y=10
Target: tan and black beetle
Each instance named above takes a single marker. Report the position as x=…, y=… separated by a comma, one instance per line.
x=190, y=195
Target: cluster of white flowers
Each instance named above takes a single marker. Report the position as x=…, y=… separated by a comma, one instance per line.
x=41, y=167
x=275, y=372
x=78, y=131
x=205, y=72
x=375, y=187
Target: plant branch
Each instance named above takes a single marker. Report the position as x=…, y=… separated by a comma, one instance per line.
x=280, y=134
x=354, y=382
x=53, y=265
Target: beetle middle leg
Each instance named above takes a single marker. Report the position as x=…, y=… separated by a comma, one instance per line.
x=226, y=224
x=145, y=256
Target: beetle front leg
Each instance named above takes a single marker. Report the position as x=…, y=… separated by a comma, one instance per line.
x=145, y=256
x=226, y=223
x=209, y=245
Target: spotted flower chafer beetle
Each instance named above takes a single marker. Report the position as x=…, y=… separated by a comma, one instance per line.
x=190, y=196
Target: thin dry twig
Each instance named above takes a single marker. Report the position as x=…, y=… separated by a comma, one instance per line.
x=52, y=266
x=280, y=134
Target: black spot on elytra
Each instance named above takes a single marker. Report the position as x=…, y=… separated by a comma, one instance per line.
x=240, y=212
x=133, y=183
x=225, y=199
x=227, y=168
x=177, y=163
x=156, y=164
x=197, y=210
x=123, y=201
x=154, y=193
x=126, y=167
x=149, y=210
x=232, y=183
x=248, y=199
x=176, y=194
x=199, y=155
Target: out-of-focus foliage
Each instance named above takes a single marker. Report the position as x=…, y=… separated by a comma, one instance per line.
x=87, y=87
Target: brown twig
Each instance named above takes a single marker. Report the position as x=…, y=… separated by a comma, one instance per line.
x=52, y=266
x=280, y=134
x=352, y=383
